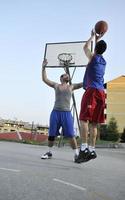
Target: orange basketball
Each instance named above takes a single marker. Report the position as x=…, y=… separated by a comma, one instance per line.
x=101, y=27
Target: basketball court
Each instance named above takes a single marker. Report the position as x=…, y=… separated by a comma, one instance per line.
x=23, y=175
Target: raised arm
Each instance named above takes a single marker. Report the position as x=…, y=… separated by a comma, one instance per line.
x=86, y=48
x=44, y=75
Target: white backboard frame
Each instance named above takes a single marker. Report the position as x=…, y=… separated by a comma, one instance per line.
x=52, y=50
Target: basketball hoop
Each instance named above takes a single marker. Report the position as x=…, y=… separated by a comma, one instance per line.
x=67, y=50
x=65, y=58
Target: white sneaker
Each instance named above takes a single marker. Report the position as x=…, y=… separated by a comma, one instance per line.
x=47, y=155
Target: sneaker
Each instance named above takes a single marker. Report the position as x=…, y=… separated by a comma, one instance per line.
x=47, y=155
x=93, y=155
x=83, y=156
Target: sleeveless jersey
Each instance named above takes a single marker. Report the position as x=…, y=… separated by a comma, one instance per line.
x=94, y=74
x=62, y=98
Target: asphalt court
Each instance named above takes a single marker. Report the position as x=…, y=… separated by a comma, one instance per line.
x=23, y=175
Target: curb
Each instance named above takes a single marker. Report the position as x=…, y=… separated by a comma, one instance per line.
x=111, y=145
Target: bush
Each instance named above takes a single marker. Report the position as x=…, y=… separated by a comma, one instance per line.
x=123, y=136
x=103, y=132
x=110, y=132
x=112, y=137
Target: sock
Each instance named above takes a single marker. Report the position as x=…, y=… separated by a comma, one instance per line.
x=76, y=152
x=91, y=148
x=83, y=146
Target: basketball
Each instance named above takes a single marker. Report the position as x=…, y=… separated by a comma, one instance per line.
x=101, y=27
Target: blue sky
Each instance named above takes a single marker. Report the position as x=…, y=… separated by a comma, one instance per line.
x=26, y=26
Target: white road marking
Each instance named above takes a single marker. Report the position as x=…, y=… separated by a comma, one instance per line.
x=70, y=184
x=7, y=169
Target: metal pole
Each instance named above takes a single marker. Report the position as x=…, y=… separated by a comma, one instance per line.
x=73, y=97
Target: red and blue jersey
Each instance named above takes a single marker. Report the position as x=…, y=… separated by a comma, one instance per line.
x=94, y=74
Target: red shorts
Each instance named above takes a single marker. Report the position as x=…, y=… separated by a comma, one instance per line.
x=93, y=105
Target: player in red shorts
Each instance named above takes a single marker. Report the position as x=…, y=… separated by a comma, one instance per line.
x=93, y=100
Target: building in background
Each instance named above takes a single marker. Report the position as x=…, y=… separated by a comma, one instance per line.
x=20, y=126
x=115, y=101
x=115, y=107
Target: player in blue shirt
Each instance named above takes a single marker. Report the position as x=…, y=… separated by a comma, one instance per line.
x=93, y=100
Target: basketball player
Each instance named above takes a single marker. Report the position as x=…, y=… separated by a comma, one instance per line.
x=61, y=115
x=93, y=100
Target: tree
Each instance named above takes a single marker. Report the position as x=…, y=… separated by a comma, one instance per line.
x=112, y=130
x=103, y=131
x=123, y=136
x=109, y=131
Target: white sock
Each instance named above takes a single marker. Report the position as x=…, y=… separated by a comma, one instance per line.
x=76, y=151
x=91, y=148
x=83, y=146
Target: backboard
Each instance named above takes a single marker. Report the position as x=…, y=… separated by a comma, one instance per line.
x=75, y=49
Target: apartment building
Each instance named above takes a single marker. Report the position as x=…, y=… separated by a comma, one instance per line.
x=115, y=101
x=20, y=126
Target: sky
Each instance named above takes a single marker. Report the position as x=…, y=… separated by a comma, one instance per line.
x=26, y=26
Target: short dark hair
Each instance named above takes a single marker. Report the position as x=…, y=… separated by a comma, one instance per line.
x=63, y=75
x=100, y=47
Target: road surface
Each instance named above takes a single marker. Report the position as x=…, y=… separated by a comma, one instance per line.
x=24, y=176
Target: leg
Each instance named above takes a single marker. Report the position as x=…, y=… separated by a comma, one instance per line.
x=97, y=117
x=93, y=136
x=53, y=129
x=51, y=140
x=48, y=154
x=84, y=131
x=74, y=146
x=73, y=143
x=98, y=114
x=84, y=151
x=85, y=116
x=68, y=130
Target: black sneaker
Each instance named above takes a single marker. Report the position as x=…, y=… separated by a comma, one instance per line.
x=93, y=155
x=83, y=156
x=47, y=155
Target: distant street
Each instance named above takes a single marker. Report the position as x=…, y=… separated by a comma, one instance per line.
x=24, y=176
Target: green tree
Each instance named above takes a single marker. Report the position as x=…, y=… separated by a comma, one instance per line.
x=103, y=131
x=123, y=136
x=112, y=130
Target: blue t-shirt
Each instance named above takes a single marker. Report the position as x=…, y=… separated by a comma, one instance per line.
x=94, y=74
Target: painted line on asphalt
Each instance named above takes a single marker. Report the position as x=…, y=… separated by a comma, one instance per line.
x=7, y=169
x=70, y=184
